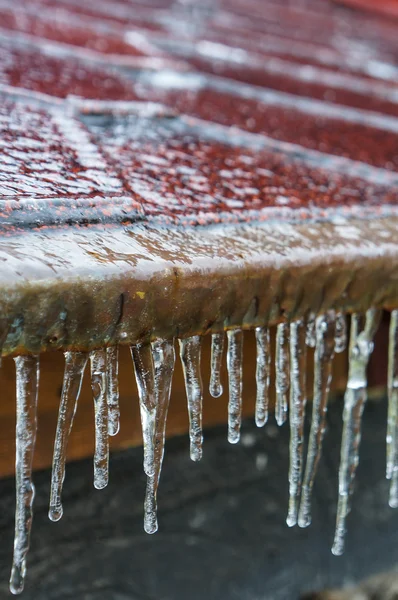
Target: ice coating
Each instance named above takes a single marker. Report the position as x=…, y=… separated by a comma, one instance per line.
x=324, y=352
x=282, y=370
x=144, y=375
x=360, y=349
x=163, y=361
x=392, y=418
x=340, y=332
x=297, y=403
x=99, y=386
x=217, y=349
x=234, y=366
x=190, y=349
x=310, y=336
x=75, y=364
x=263, y=372
x=112, y=389
x=27, y=374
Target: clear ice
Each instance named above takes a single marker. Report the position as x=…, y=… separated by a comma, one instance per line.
x=323, y=357
x=99, y=387
x=360, y=349
x=112, y=389
x=163, y=361
x=217, y=348
x=234, y=366
x=263, y=370
x=75, y=364
x=297, y=403
x=145, y=378
x=190, y=349
x=27, y=372
x=392, y=419
x=282, y=370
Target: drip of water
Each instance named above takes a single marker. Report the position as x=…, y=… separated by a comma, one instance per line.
x=298, y=400
x=340, y=340
x=234, y=366
x=360, y=349
x=98, y=386
x=282, y=369
x=75, y=364
x=163, y=361
x=112, y=389
x=392, y=420
x=217, y=348
x=190, y=350
x=27, y=370
x=310, y=335
x=145, y=378
x=263, y=369
x=324, y=353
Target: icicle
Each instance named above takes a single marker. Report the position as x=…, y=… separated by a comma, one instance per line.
x=361, y=347
x=310, y=335
x=298, y=355
x=234, y=366
x=163, y=361
x=27, y=370
x=324, y=352
x=112, y=389
x=282, y=367
x=98, y=386
x=217, y=347
x=75, y=363
x=340, y=340
x=263, y=367
x=392, y=421
x=145, y=378
x=190, y=357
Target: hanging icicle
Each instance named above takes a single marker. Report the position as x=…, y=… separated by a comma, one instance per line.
x=282, y=367
x=361, y=347
x=190, y=349
x=75, y=364
x=112, y=389
x=297, y=403
x=27, y=371
x=263, y=370
x=163, y=361
x=323, y=357
x=234, y=366
x=310, y=334
x=217, y=348
x=99, y=386
x=145, y=378
x=392, y=420
x=340, y=339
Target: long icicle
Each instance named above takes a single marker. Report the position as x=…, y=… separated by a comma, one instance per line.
x=145, y=378
x=163, y=360
x=392, y=421
x=98, y=386
x=27, y=371
x=217, y=348
x=324, y=353
x=341, y=333
x=282, y=367
x=234, y=366
x=112, y=389
x=190, y=349
x=360, y=349
x=298, y=399
x=75, y=364
x=263, y=369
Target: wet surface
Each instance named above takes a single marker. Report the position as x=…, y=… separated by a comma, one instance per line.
x=222, y=531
